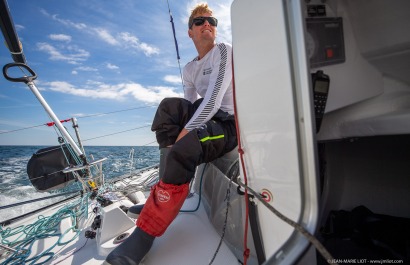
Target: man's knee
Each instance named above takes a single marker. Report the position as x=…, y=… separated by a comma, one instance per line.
x=171, y=116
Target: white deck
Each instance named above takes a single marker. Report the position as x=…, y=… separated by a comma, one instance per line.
x=190, y=239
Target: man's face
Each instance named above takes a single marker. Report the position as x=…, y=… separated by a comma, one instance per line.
x=204, y=32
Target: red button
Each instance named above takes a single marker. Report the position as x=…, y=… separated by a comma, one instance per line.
x=329, y=53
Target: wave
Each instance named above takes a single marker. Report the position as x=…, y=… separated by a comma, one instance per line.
x=16, y=187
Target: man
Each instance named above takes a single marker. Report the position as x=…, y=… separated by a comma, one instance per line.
x=189, y=132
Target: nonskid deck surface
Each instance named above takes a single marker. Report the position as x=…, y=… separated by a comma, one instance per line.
x=190, y=239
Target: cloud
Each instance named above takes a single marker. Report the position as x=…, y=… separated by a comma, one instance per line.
x=123, y=39
x=64, y=21
x=106, y=36
x=173, y=79
x=86, y=68
x=19, y=27
x=149, y=94
x=223, y=13
x=78, y=115
x=60, y=37
x=120, y=92
x=133, y=42
x=94, y=83
x=69, y=23
x=112, y=66
x=74, y=54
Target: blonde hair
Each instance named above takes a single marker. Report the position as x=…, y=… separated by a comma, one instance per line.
x=201, y=8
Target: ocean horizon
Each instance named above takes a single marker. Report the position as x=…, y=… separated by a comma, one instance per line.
x=15, y=185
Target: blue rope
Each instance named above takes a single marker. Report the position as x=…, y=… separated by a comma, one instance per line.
x=200, y=193
x=74, y=155
x=44, y=227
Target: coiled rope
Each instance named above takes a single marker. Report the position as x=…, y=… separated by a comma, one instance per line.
x=22, y=238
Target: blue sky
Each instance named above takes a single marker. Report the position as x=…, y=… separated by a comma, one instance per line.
x=94, y=57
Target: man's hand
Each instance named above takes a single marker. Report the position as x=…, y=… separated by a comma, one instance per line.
x=182, y=134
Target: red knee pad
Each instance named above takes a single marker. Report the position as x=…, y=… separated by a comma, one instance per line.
x=161, y=207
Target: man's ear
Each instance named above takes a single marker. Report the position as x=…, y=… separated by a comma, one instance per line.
x=190, y=33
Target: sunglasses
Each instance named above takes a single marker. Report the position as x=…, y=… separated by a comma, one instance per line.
x=198, y=21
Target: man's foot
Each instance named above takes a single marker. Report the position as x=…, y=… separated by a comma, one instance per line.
x=132, y=250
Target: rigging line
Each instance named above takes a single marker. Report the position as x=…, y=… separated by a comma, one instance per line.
x=30, y=127
x=315, y=242
x=242, y=163
x=228, y=204
x=111, y=112
x=153, y=142
x=22, y=129
x=86, y=116
x=21, y=68
x=117, y=133
x=68, y=145
x=176, y=44
x=12, y=220
x=35, y=200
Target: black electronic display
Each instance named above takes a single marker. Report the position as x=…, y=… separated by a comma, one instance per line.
x=324, y=41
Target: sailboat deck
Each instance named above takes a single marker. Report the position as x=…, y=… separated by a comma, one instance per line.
x=190, y=239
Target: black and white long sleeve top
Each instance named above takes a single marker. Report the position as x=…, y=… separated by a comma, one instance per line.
x=209, y=78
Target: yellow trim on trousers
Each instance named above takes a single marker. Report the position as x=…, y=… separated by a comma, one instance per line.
x=211, y=138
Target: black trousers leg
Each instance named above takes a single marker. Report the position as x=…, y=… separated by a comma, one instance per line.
x=171, y=117
x=212, y=140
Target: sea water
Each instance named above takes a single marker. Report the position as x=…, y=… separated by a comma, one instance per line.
x=15, y=185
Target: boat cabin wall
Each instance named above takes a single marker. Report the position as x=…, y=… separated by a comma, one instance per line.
x=369, y=97
x=364, y=138
x=364, y=197
x=369, y=171
x=369, y=92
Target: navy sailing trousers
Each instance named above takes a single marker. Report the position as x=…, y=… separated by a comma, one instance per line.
x=201, y=145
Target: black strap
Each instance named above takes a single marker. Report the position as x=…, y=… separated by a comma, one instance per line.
x=256, y=232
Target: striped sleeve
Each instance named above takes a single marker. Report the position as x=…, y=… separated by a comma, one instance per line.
x=219, y=81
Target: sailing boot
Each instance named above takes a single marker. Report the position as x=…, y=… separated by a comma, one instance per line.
x=132, y=250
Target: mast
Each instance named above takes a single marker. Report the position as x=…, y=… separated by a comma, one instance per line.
x=15, y=47
x=10, y=35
